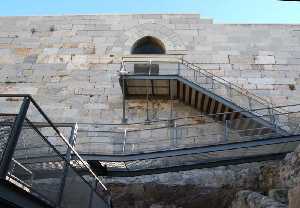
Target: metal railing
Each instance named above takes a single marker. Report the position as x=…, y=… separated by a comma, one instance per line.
x=48, y=156
x=62, y=181
x=210, y=77
x=178, y=133
x=203, y=78
x=182, y=132
x=232, y=88
x=228, y=90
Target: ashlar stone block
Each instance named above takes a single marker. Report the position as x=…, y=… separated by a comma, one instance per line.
x=264, y=60
x=237, y=59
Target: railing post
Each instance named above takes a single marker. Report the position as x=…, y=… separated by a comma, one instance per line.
x=174, y=134
x=124, y=119
x=171, y=121
x=124, y=140
x=148, y=81
x=93, y=188
x=13, y=138
x=122, y=73
x=109, y=202
x=272, y=116
x=68, y=156
x=178, y=69
x=250, y=103
x=226, y=131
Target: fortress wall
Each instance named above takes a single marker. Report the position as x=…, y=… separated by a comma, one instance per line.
x=69, y=63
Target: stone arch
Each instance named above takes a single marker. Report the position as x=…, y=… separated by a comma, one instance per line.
x=148, y=45
x=166, y=35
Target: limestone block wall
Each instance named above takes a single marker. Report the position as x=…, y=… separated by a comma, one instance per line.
x=69, y=63
x=261, y=58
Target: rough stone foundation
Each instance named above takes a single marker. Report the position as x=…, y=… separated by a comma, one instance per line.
x=206, y=188
x=255, y=185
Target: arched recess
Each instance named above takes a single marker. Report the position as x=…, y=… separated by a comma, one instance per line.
x=148, y=45
x=171, y=40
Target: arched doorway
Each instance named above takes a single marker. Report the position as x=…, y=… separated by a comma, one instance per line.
x=148, y=45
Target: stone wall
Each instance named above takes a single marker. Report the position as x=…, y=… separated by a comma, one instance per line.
x=205, y=188
x=69, y=63
x=281, y=186
x=263, y=185
x=248, y=199
x=290, y=177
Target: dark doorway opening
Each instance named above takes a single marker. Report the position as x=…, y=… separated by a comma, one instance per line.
x=148, y=45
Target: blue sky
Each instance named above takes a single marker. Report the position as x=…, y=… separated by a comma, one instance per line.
x=222, y=11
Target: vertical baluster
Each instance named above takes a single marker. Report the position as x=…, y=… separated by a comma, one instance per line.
x=226, y=131
x=250, y=103
x=124, y=140
x=12, y=141
x=175, y=134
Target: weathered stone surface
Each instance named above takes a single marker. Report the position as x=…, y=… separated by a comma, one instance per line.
x=280, y=195
x=248, y=199
x=290, y=169
x=236, y=59
x=233, y=176
x=167, y=196
x=269, y=177
x=218, y=182
x=294, y=199
x=264, y=59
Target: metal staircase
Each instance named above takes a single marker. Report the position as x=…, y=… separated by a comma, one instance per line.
x=210, y=94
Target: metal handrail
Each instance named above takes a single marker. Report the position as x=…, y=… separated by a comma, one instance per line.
x=147, y=59
x=252, y=98
x=57, y=131
x=131, y=129
x=127, y=144
x=162, y=120
x=65, y=143
x=15, y=162
x=243, y=91
x=168, y=59
x=43, y=124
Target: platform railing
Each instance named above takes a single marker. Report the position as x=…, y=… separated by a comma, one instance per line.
x=205, y=79
x=181, y=132
x=211, y=78
x=63, y=181
x=43, y=150
x=228, y=90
